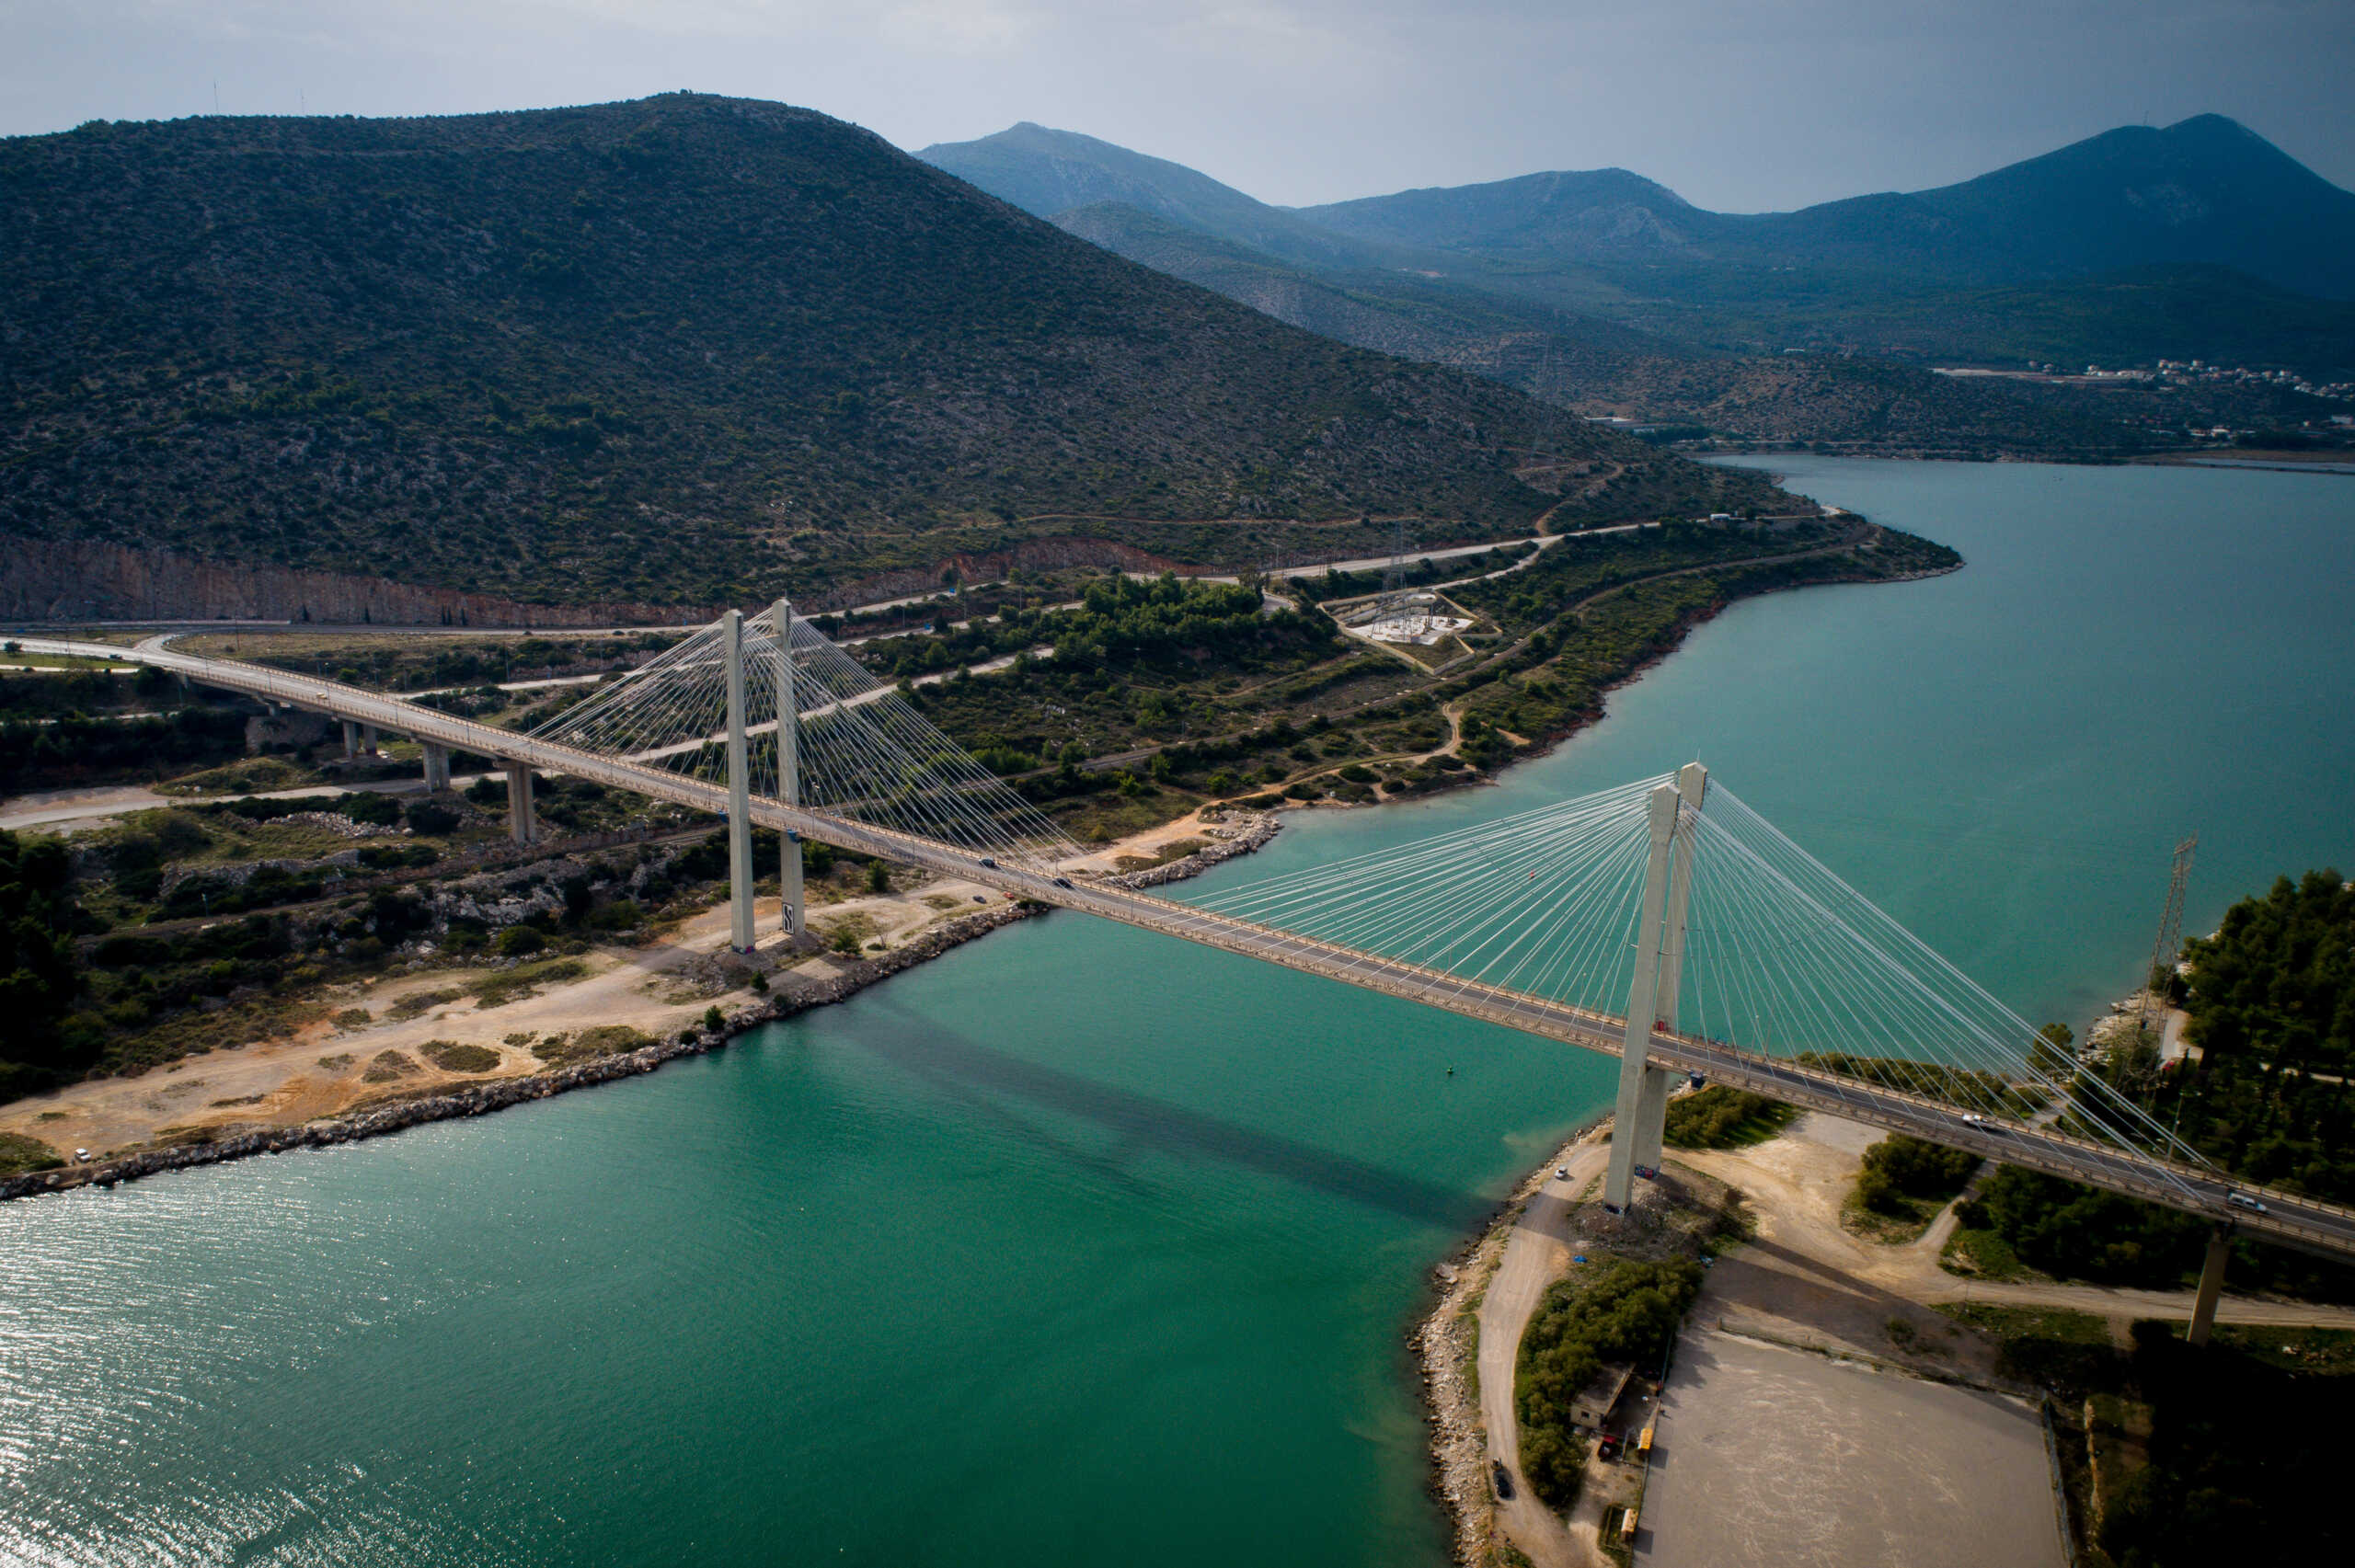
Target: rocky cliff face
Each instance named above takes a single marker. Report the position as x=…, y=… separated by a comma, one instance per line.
x=72, y=579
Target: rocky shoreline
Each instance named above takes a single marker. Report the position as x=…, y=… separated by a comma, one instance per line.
x=1446, y=1343
x=498, y=1094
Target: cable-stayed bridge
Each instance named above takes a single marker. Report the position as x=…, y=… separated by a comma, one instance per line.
x=1662, y=922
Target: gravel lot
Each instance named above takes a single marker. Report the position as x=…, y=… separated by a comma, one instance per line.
x=1781, y=1457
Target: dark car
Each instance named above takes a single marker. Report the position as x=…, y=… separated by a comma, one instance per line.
x=988, y=862
x=1504, y=1480
x=1062, y=881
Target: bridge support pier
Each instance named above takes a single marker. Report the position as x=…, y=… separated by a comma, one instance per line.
x=351, y=740
x=522, y=825
x=739, y=793
x=788, y=773
x=368, y=738
x=437, y=766
x=2211, y=1285
x=1640, y=1115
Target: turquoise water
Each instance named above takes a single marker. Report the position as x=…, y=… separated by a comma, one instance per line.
x=1078, y=1245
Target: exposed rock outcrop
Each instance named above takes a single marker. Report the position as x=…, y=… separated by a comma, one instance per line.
x=81, y=579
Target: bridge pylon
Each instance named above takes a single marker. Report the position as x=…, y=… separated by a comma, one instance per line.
x=788, y=771
x=1640, y=1115
x=740, y=791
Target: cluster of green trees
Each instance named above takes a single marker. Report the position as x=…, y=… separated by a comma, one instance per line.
x=1723, y=1118
x=2271, y=1001
x=37, y=970
x=1900, y=1168
x=54, y=752
x=1214, y=626
x=1626, y=1311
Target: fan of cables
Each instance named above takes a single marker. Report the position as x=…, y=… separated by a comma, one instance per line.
x=860, y=749
x=1781, y=958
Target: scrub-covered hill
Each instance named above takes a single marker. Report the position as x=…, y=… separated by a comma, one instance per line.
x=685, y=350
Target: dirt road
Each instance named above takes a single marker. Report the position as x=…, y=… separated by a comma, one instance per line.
x=1535, y=1256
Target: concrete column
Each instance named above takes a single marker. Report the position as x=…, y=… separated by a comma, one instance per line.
x=1643, y=1002
x=351, y=740
x=788, y=771
x=2211, y=1285
x=522, y=825
x=740, y=792
x=437, y=766
x=368, y=738
x=1651, y=1115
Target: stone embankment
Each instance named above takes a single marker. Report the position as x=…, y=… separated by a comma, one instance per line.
x=796, y=994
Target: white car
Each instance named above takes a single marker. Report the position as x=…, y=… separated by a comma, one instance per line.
x=2242, y=1200
x=1562, y=1173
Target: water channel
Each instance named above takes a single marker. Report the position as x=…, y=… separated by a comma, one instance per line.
x=1079, y=1245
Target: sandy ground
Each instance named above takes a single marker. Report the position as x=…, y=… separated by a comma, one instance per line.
x=1809, y=1280
x=1774, y=1456
x=319, y=1072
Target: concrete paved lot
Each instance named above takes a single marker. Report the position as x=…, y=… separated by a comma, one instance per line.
x=1784, y=1458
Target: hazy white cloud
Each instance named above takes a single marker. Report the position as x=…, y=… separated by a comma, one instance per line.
x=1770, y=103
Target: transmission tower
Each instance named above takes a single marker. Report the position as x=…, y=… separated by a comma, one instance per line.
x=2168, y=948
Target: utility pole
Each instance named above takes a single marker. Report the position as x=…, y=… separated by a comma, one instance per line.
x=739, y=793
x=2168, y=949
x=788, y=769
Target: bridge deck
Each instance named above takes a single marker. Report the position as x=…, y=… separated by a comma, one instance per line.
x=2323, y=1229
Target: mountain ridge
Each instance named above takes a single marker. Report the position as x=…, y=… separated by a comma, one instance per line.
x=679, y=351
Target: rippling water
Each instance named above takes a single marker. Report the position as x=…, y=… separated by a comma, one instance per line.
x=1080, y=1245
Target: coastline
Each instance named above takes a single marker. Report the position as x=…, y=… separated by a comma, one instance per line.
x=1446, y=1341
x=497, y=1094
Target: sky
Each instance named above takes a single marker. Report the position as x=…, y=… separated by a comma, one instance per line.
x=1739, y=107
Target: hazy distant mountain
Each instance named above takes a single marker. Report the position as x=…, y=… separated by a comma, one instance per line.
x=2204, y=190
x=2133, y=245
x=683, y=351
x=1047, y=172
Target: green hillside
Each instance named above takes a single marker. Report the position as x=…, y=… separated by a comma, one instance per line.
x=683, y=350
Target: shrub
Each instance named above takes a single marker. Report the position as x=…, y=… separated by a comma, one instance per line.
x=712, y=1020
x=19, y=1154
x=518, y=940
x=1900, y=1168
x=431, y=817
x=452, y=1056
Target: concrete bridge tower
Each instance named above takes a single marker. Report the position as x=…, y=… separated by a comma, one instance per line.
x=788, y=769
x=1641, y=1112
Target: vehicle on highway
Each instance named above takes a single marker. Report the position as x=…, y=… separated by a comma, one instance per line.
x=2242, y=1200
x=988, y=862
x=1062, y=881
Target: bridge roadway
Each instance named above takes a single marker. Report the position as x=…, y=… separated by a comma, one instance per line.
x=2327, y=1230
